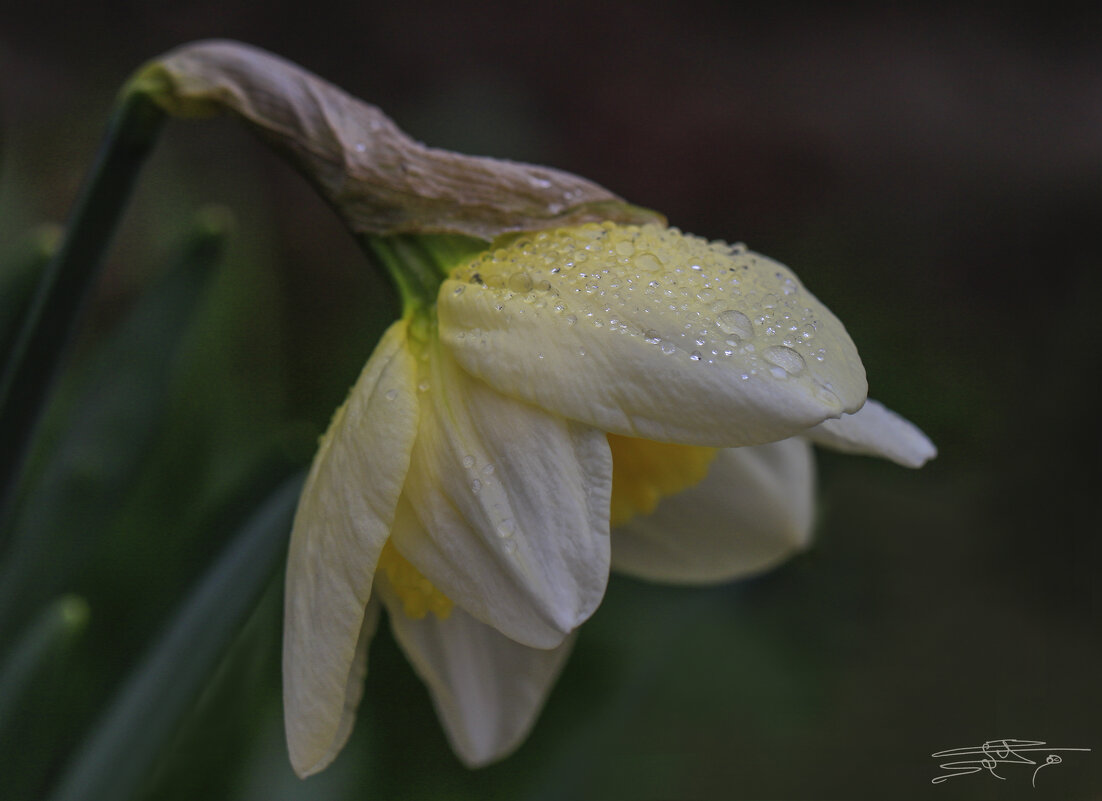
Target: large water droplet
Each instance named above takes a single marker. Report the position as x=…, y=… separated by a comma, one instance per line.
x=506, y=528
x=625, y=248
x=520, y=282
x=785, y=358
x=668, y=347
x=648, y=262
x=735, y=323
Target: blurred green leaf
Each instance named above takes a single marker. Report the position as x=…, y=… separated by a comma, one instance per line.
x=42, y=665
x=32, y=363
x=18, y=276
x=99, y=432
x=121, y=749
x=54, y=626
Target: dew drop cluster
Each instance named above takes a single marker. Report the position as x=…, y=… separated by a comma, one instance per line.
x=708, y=303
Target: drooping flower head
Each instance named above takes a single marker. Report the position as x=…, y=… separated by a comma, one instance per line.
x=563, y=380
x=573, y=387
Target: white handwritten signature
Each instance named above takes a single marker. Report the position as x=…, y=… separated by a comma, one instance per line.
x=994, y=754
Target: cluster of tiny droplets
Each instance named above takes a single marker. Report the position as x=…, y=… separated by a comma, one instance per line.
x=482, y=475
x=726, y=300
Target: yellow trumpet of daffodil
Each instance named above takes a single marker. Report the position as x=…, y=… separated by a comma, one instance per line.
x=565, y=381
x=586, y=390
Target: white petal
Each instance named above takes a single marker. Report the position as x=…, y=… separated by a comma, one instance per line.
x=354, y=688
x=876, y=431
x=487, y=689
x=343, y=519
x=511, y=508
x=714, y=347
x=752, y=511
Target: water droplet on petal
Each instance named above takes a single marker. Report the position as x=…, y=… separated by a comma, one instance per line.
x=695, y=355
x=391, y=394
x=520, y=282
x=735, y=323
x=506, y=528
x=468, y=461
x=476, y=486
x=785, y=358
x=648, y=262
x=668, y=347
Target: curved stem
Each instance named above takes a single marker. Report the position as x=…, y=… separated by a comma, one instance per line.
x=49, y=322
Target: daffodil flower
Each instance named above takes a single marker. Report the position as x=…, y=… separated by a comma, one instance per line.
x=593, y=390
x=575, y=399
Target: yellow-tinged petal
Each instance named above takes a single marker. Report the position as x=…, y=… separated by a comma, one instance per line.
x=343, y=519
x=752, y=511
x=876, y=431
x=508, y=507
x=487, y=689
x=649, y=333
x=354, y=688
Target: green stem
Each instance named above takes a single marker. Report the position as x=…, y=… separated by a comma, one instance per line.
x=419, y=263
x=51, y=318
x=410, y=267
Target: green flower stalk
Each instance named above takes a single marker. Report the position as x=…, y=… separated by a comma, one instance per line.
x=573, y=387
x=28, y=371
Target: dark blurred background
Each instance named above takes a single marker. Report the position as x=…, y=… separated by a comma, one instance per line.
x=934, y=175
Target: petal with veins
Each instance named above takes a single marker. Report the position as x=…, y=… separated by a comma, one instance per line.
x=876, y=431
x=487, y=689
x=509, y=507
x=649, y=333
x=354, y=689
x=752, y=511
x=343, y=519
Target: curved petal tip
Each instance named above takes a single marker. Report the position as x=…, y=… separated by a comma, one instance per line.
x=875, y=430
